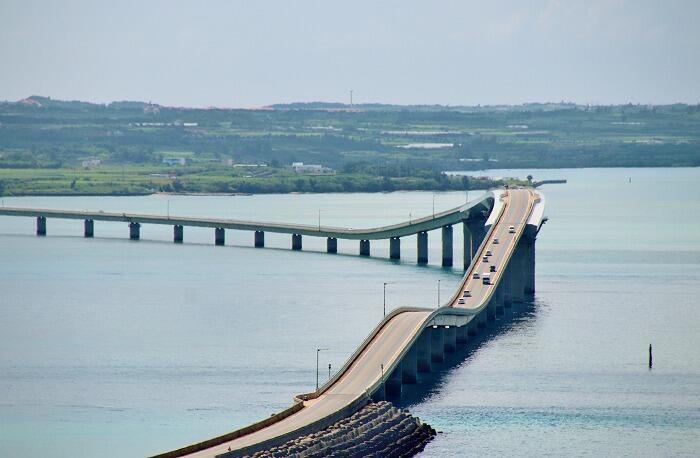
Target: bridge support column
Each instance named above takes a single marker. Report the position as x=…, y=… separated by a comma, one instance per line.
x=450, y=339
x=482, y=317
x=507, y=281
x=409, y=366
x=467, y=247
x=499, y=295
x=422, y=248
x=134, y=231
x=437, y=344
x=491, y=309
x=331, y=245
x=364, y=247
x=178, y=233
x=219, y=236
x=296, y=242
x=40, y=225
x=473, y=327
x=462, y=334
x=394, y=248
x=89, y=227
x=259, y=239
x=517, y=274
x=423, y=352
x=447, y=249
x=392, y=385
x=530, y=268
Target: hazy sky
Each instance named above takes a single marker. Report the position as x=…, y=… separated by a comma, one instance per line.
x=252, y=53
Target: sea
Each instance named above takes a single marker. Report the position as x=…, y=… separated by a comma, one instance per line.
x=118, y=348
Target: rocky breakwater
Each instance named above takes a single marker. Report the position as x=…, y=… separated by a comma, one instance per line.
x=377, y=430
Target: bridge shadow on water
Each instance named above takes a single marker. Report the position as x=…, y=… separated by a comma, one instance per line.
x=513, y=319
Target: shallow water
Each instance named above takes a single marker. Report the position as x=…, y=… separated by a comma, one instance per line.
x=117, y=348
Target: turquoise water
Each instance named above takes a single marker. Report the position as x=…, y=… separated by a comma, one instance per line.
x=110, y=347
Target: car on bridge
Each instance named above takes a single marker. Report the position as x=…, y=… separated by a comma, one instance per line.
x=486, y=278
x=486, y=259
x=495, y=241
x=511, y=229
x=475, y=276
x=488, y=253
x=492, y=269
x=467, y=293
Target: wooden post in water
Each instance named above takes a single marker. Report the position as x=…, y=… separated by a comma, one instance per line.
x=650, y=357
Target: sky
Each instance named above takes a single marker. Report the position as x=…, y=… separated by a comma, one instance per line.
x=255, y=53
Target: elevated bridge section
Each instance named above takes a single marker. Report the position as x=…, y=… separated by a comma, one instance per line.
x=410, y=341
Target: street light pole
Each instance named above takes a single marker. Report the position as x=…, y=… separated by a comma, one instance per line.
x=382, y=382
x=433, y=205
x=438, y=304
x=318, y=350
x=319, y=220
x=385, y=283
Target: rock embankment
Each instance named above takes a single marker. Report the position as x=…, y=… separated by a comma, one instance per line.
x=377, y=430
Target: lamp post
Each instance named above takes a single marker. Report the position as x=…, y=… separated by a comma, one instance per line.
x=168, y=208
x=319, y=220
x=318, y=350
x=382, y=381
x=329, y=371
x=433, y=205
x=438, y=303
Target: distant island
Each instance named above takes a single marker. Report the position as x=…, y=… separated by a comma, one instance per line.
x=50, y=147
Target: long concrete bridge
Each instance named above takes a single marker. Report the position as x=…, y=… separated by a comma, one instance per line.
x=500, y=233
x=472, y=216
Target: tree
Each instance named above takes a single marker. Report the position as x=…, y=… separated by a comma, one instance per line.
x=529, y=178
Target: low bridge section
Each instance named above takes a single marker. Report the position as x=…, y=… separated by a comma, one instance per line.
x=472, y=216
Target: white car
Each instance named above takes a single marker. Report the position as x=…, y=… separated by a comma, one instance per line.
x=475, y=276
x=461, y=301
x=511, y=229
x=467, y=293
x=488, y=253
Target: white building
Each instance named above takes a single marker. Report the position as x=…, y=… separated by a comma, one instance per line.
x=313, y=169
x=174, y=160
x=91, y=163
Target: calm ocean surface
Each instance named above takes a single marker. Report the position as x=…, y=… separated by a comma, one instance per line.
x=116, y=348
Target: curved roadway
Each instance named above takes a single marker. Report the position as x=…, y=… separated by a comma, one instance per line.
x=397, y=333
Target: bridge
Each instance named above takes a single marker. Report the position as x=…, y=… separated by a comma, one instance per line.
x=472, y=215
x=500, y=232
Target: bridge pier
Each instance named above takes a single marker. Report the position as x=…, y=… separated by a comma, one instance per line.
x=530, y=268
x=462, y=334
x=134, y=231
x=219, y=236
x=40, y=225
x=474, y=232
x=392, y=385
x=89, y=228
x=296, y=242
x=178, y=233
x=409, y=366
x=422, y=247
x=507, y=281
x=491, y=309
x=437, y=344
x=517, y=274
x=499, y=295
x=394, y=248
x=450, y=339
x=473, y=327
x=259, y=239
x=482, y=317
x=423, y=352
x=364, y=247
x=331, y=245
x=447, y=249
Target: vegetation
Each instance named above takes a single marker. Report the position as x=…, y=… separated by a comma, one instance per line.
x=44, y=142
